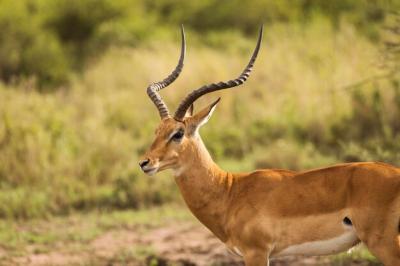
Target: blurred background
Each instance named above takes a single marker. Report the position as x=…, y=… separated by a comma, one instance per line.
x=75, y=116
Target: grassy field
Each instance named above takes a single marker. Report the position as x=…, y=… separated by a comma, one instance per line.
x=72, y=239
x=130, y=238
x=313, y=100
x=320, y=93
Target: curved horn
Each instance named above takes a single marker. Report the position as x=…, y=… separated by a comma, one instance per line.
x=194, y=95
x=152, y=89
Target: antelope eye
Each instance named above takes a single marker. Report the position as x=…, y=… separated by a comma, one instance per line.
x=178, y=135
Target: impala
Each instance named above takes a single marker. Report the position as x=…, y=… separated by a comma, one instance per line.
x=272, y=212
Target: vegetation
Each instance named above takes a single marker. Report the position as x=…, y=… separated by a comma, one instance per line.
x=45, y=41
x=313, y=100
x=116, y=237
x=73, y=238
x=74, y=115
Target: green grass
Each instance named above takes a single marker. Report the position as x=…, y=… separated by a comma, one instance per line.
x=74, y=234
x=82, y=227
x=77, y=148
x=322, y=92
x=68, y=171
x=358, y=253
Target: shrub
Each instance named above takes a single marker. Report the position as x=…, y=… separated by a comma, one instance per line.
x=50, y=40
x=77, y=148
x=26, y=50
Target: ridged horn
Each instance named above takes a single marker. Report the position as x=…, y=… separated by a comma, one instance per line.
x=194, y=95
x=154, y=88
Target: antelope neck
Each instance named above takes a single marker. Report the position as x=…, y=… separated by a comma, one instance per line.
x=205, y=187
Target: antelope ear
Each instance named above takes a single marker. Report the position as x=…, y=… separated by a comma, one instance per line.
x=202, y=117
x=189, y=112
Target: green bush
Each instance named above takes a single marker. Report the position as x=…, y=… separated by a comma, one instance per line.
x=26, y=50
x=48, y=40
x=77, y=148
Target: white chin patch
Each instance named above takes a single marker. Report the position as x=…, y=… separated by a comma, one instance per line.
x=178, y=171
x=151, y=172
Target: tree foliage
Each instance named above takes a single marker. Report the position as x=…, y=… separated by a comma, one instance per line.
x=49, y=39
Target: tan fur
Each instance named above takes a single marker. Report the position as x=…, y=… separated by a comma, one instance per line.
x=263, y=213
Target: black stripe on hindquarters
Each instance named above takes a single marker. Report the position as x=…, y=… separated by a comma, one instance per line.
x=347, y=221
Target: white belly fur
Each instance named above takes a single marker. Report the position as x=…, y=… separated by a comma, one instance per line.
x=323, y=247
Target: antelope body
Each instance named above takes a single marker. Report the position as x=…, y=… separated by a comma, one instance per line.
x=273, y=212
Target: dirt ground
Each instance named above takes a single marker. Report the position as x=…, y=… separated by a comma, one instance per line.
x=182, y=243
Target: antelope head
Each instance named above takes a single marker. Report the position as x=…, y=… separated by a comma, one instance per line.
x=176, y=137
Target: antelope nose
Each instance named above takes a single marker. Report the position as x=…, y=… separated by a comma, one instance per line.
x=143, y=163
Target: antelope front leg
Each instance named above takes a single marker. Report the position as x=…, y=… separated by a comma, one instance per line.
x=256, y=257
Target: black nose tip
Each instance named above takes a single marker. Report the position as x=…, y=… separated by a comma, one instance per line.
x=143, y=163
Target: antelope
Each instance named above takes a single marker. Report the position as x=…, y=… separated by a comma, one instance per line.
x=273, y=212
